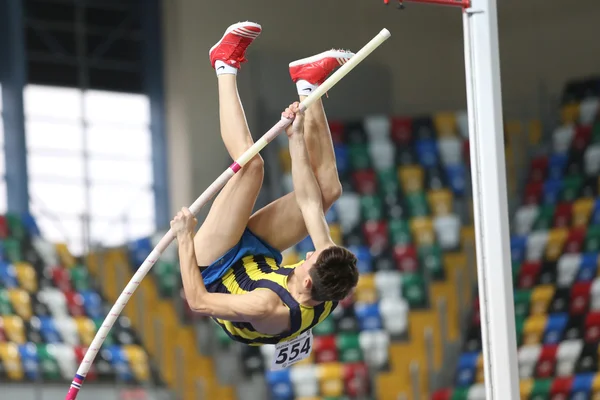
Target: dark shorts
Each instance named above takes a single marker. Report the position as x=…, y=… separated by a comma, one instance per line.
x=248, y=245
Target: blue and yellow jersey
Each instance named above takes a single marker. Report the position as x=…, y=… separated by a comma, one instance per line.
x=260, y=272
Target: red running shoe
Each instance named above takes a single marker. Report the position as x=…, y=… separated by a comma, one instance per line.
x=317, y=68
x=231, y=49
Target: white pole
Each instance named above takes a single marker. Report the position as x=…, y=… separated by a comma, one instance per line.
x=488, y=166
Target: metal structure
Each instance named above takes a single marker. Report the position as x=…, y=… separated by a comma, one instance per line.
x=488, y=174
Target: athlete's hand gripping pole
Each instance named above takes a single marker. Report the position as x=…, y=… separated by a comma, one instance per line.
x=213, y=189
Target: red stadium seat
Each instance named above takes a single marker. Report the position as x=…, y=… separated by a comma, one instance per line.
x=562, y=215
x=444, y=394
x=402, y=131
x=79, y=355
x=61, y=278
x=376, y=234
x=582, y=138
x=534, y=193
x=529, y=274
x=537, y=172
x=337, y=131
x=561, y=388
x=74, y=303
x=406, y=258
x=546, y=364
x=325, y=349
x=574, y=243
x=365, y=181
x=580, y=298
x=356, y=380
x=3, y=227
x=467, y=152
x=476, y=317
x=592, y=327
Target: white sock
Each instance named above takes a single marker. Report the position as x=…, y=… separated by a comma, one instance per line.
x=222, y=67
x=305, y=88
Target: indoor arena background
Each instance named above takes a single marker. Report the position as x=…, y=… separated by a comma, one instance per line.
x=110, y=124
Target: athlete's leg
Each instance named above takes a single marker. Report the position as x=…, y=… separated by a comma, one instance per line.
x=232, y=208
x=280, y=223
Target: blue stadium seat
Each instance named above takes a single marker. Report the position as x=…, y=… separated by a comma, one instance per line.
x=555, y=327
x=118, y=359
x=595, y=220
x=342, y=158
x=552, y=189
x=305, y=246
x=368, y=316
x=332, y=216
x=8, y=276
x=467, y=366
x=48, y=330
x=364, y=259
x=139, y=250
x=588, y=267
x=29, y=360
x=556, y=165
x=280, y=385
x=582, y=386
x=456, y=175
x=92, y=304
x=518, y=248
x=30, y=225
x=427, y=152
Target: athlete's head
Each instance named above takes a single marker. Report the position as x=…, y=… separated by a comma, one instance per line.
x=330, y=274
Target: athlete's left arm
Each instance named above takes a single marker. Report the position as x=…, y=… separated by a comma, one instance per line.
x=236, y=308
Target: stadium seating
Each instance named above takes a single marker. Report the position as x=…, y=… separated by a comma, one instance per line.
x=555, y=253
x=50, y=312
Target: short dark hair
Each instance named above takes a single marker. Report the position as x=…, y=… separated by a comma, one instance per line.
x=334, y=274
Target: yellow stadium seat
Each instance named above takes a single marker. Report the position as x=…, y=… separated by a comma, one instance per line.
x=86, y=330
x=9, y=354
x=445, y=124
x=534, y=329
x=290, y=257
x=14, y=329
x=411, y=177
x=64, y=255
x=513, y=128
x=480, y=375
x=596, y=387
x=570, y=113
x=440, y=201
x=541, y=296
x=26, y=276
x=582, y=209
x=556, y=242
x=366, y=290
x=335, y=230
x=422, y=231
x=331, y=379
x=309, y=398
x=535, y=132
x=138, y=360
x=285, y=160
x=525, y=387
x=21, y=303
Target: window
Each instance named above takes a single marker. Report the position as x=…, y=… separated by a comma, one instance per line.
x=90, y=161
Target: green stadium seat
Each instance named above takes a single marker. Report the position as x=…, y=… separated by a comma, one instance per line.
x=592, y=239
x=516, y=268
x=109, y=341
x=16, y=230
x=544, y=218
x=327, y=327
x=359, y=157
x=417, y=204
x=12, y=250
x=430, y=258
x=80, y=277
x=571, y=188
x=520, y=326
x=413, y=290
x=348, y=347
x=522, y=301
x=5, y=304
x=460, y=394
x=388, y=181
x=48, y=365
x=399, y=232
x=596, y=132
x=166, y=272
x=371, y=208
x=541, y=389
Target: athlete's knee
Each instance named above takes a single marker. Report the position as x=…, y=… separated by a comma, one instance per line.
x=255, y=168
x=331, y=190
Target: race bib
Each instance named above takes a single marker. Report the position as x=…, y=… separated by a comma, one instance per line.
x=292, y=351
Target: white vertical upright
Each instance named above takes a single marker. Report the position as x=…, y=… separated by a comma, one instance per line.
x=488, y=169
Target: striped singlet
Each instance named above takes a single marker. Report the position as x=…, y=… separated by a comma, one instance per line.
x=260, y=272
